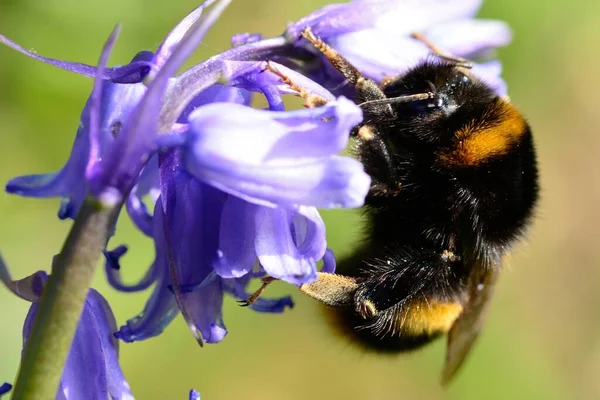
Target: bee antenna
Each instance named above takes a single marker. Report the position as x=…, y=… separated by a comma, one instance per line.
x=399, y=99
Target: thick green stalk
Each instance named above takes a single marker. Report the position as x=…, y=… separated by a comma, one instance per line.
x=62, y=303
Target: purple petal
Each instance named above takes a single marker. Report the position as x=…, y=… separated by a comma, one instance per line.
x=337, y=19
x=114, y=279
x=278, y=157
x=253, y=76
x=70, y=183
x=393, y=16
x=417, y=15
x=218, y=69
x=332, y=183
x=136, y=142
x=118, y=387
x=29, y=288
x=489, y=73
x=466, y=38
x=328, y=262
x=194, y=395
x=139, y=213
x=65, y=184
x=306, y=134
x=379, y=56
x=113, y=272
x=276, y=249
x=176, y=35
x=309, y=233
x=147, y=185
x=6, y=387
x=274, y=98
x=133, y=72
x=204, y=308
x=92, y=365
x=217, y=94
x=92, y=369
x=113, y=257
x=161, y=308
x=192, y=213
x=236, y=256
x=245, y=38
x=95, y=104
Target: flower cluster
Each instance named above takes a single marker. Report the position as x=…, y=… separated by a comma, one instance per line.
x=235, y=189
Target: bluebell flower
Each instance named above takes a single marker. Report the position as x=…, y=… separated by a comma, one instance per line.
x=92, y=370
x=194, y=395
x=246, y=182
x=238, y=201
x=120, y=92
x=374, y=35
x=6, y=387
x=187, y=219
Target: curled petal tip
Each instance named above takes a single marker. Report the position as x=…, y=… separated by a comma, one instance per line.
x=216, y=334
x=273, y=306
x=194, y=395
x=6, y=387
x=39, y=185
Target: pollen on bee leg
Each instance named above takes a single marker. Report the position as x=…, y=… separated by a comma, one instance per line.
x=366, y=132
x=331, y=289
x=312, y=100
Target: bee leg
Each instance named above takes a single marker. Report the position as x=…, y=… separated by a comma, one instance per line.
x=331, y=289
x=366, y=89
x=459, y=61
x=381, y=166
x=266, y=281
x=312, y=100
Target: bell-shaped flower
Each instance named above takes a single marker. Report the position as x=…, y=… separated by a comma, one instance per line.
x=375, y=36
x=117, y=94
x=278, y=167
x=186, y=224
x=237, y=200
x=92, y=370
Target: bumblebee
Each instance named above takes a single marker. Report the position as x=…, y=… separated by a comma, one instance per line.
x=454, y=186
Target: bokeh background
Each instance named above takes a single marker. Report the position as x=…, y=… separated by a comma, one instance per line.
x=542, y=339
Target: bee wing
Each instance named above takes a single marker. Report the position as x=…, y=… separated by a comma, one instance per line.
x=466, y=328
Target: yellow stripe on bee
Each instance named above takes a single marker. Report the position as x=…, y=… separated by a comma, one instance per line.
x=428, y=318
x=477, y=141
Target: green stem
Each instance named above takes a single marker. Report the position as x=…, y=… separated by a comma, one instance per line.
x=62, y=303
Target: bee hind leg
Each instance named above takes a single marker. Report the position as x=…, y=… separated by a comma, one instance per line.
x=329, y=289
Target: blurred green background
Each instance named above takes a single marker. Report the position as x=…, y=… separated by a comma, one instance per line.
x=542, y=339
